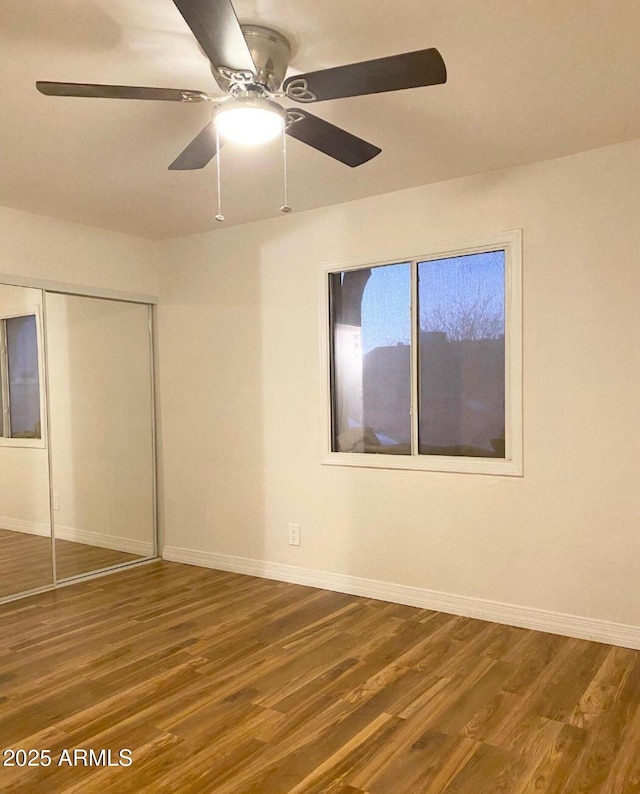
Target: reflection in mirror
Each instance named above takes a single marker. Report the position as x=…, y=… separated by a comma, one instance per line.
x=100, y=403
x=25, y=532
x=21, y=397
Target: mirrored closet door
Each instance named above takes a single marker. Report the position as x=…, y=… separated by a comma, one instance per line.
x=101, y=418
x=77, y=457
x=25, y=531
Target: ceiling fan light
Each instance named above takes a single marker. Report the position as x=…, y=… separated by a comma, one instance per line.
x=250, y=122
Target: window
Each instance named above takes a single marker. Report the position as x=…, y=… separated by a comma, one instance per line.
x=424, y=361
x=19, y=378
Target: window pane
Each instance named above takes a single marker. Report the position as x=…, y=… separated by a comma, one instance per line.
x=462, y=355
x=371, y=360
x=24, y=379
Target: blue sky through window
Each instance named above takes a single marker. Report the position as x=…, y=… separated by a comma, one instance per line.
x=446, y=287
x=386, y=307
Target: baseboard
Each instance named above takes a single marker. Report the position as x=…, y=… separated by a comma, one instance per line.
x=26, y=527
x=128, y=545
x=114, y=542
x=605, y=631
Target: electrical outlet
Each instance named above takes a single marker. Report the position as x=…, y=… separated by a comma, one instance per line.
x=294, y=534
x=56, y=501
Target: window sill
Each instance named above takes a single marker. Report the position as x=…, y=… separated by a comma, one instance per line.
x=503, y=467
x=25, y=443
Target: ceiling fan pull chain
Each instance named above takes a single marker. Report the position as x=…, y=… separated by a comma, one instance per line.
x=285, y=207
x=219, y=216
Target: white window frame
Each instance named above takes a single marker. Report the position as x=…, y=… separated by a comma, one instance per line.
x=512, y=464
x=35, y=443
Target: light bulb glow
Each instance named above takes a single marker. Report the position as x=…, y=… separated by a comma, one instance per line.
x=250, y=123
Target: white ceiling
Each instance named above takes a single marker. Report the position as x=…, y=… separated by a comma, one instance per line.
x=527, y=80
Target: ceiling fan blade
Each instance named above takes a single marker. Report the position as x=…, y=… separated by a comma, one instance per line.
x=215, y=25
x=120, y=92
x=329, y=139
x=408, y=70
x=199, y=152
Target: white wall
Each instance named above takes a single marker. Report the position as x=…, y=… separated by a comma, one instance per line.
x=240, y=395
x=44, y=248
x=241, y=401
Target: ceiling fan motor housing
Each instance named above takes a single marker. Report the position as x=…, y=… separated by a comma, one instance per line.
x=270, y=52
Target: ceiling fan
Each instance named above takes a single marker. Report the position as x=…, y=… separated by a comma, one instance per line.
x=249, y=63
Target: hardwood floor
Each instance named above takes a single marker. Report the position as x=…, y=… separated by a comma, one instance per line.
x=73, y=559
x=222, y=683
x=25, y=560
